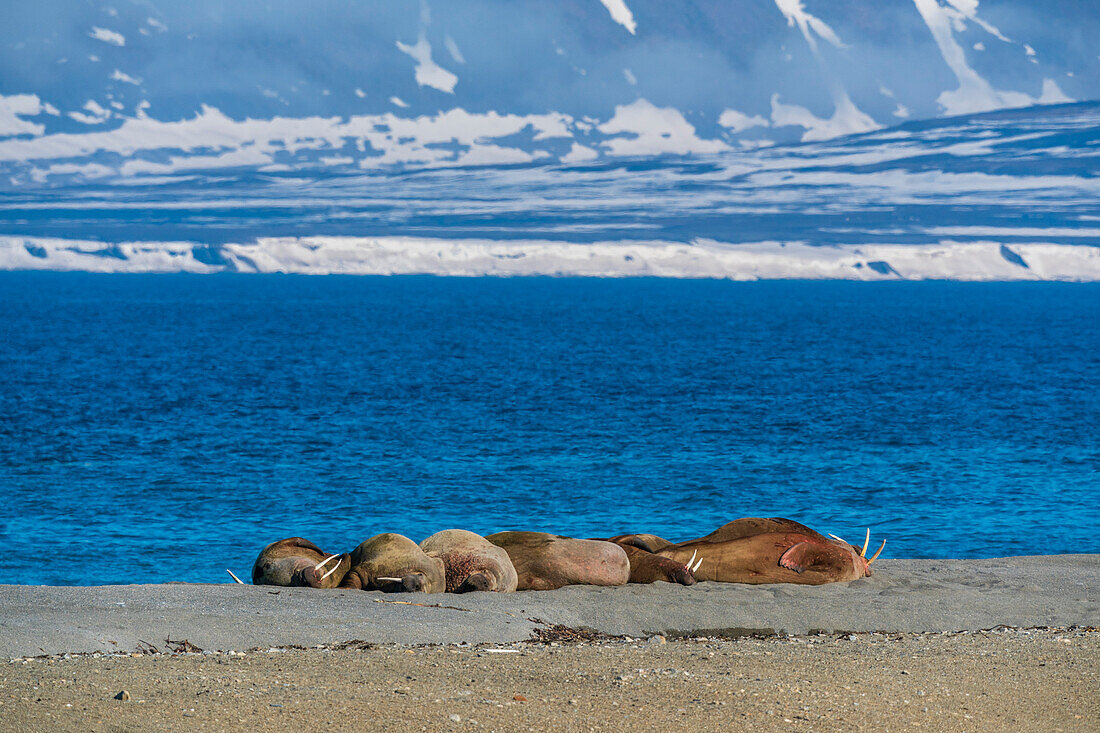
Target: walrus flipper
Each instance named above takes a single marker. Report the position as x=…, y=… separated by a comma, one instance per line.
x=815, y=557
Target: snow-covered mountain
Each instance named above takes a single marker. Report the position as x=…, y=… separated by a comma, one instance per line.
x=166, y=134
x=100, y=88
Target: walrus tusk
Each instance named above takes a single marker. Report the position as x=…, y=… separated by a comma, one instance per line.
x=866, y=541
x=234, y=576
x=693, y=554
x=839, y=539
x=324, y=562
x=392, y=580
x=875, y=556
x=330, y=572
x=697, y=565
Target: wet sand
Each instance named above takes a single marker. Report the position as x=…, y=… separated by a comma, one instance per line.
x=1000, y=644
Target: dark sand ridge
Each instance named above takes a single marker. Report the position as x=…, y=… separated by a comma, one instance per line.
x=903, y=596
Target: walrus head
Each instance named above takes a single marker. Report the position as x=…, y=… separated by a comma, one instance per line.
x=324, y=574
x=475, y=582
x=296, y=561
x=861, y=557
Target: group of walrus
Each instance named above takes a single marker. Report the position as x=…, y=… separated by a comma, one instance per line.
x=751, y=550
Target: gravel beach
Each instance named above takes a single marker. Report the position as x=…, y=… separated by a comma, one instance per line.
x=1017, y=680
x=1008, y=643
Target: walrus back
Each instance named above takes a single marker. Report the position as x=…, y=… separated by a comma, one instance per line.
x=546, y=562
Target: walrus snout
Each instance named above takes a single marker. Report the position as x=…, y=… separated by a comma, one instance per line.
x=414, y=583
x=680, y=574
x=315, y=576
x=475, y=582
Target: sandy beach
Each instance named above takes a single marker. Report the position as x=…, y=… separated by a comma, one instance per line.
x=998, y=644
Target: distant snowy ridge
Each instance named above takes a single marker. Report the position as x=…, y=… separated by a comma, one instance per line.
x=978, y=261
x=140, y=90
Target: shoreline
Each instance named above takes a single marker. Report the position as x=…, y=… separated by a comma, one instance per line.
x=920, y=645
x=903, y=596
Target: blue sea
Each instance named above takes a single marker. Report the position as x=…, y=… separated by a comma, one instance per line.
x=166, y=427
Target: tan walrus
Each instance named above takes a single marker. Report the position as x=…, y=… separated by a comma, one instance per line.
x=757, y=550
x=298, y=562
x=395, y=564
x=547, y=561
x=472, y=563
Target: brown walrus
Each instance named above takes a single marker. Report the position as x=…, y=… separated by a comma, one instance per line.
x=648, y=542
x=298, y=562
x=471, y=562
x=547, y=561
x=648, y=567
x=757, y=550
x=395, y=564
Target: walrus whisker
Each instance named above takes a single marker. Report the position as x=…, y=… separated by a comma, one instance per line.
x=875, y=556
x=866, y=541
x=324, y=562
x=330, y=572
x=392, y=580
x=234, y=576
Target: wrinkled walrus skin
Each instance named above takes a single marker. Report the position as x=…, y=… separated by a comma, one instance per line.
x=395, y=564
x=649, y=567
x=547, y=561
x=292, y=562
x=471, y=562
x=756, y=550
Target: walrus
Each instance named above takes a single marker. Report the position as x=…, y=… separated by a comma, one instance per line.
x=394, y=564
x=756, y=550
x=547, y=561
x=471, y=562
x=298, y=562
x=648, y=567
x=647, y=542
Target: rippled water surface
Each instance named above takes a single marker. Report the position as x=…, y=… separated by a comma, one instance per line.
x=167, y=427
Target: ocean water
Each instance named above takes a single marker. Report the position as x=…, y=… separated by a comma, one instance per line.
x=166, y=427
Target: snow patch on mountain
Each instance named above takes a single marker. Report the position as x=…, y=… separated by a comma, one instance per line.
x=621, y=14
x=795, y=13
x=94, y=114
x=107, y=36
x=428, y=72
x=125, y=78
x=846, y=120
x=641, y=128
x=739, y=121
x=14, y=108
x=974, y=94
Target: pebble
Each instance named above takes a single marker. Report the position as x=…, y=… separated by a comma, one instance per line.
x=455, y=718
x=123, y=695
